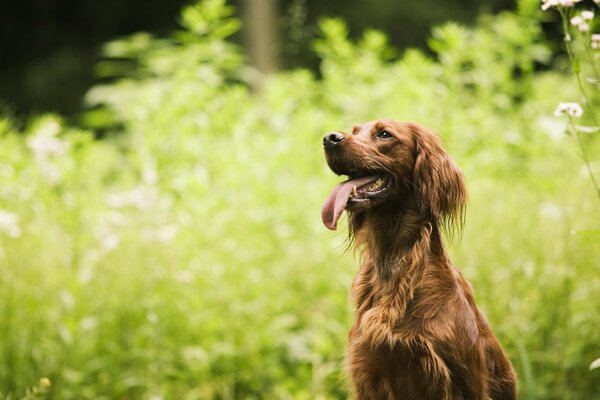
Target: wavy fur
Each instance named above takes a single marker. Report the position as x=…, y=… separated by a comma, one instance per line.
x=417, y=332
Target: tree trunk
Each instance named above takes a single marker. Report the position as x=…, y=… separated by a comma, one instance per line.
x=260, y=17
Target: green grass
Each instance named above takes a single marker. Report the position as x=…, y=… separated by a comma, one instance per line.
x=183, y=256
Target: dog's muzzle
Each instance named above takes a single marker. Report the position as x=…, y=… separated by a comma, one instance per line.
x=333, y=139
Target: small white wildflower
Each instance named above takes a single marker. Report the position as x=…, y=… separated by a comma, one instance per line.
x=575, y=110
x=140, y=197
x=50, y=127
x=546, y=4
x=46, y=145
x=185, y=277
x=50, y=172
x=45, y=142
x=587, y=15
x=108, y=239
x=117, y=218
x=576, y=20
x=583, y=27
x=150, y=176
x=595, y=41
x=550, y=211
x=152, y=317
x=166, y=233
x=570, y=109
x=163, y=234
x=9, y=224
x=110, y=242
x=580, y=22
x=89, y=323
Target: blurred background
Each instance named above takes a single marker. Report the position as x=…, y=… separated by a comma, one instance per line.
x=161, y=179
x=49, y=47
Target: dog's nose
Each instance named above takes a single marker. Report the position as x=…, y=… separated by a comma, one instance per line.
x=332, y=139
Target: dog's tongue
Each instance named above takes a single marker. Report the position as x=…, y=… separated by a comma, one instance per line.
x=336, y=201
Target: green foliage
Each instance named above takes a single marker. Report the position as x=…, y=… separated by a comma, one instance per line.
x=183, y=256
x=583, y=49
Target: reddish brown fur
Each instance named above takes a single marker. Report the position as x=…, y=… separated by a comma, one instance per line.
x=417, y=332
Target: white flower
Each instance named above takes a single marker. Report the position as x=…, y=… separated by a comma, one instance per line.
x=141, y=197
x=546, y=4
x=166, y=233
x=550, y=211
x=45, y=143
x=163, y=234
x=580, y=22
x=149, y=176
x=576, y=20
x=595, y=41
x=9, y=224
x=109, y=242
x=587, y=15
x=583, y=27
x=570, y=109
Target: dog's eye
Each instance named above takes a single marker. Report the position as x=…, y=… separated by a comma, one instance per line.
x=383, y=134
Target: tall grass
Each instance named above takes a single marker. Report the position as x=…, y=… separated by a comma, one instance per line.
x=182, y=256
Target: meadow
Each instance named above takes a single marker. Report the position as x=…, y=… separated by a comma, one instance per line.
x=169, y=245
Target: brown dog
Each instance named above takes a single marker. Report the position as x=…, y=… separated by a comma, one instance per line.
x=417, y=332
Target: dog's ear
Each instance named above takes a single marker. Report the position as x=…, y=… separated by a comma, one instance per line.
x=439, y=183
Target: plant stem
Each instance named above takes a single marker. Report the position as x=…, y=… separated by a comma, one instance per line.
x=564, y=15
x=586, y=161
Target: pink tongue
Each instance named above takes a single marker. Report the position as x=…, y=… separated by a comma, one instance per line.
x=336, y=201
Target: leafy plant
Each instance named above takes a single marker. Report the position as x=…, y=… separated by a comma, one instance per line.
x=583, y=48
x=182, y=256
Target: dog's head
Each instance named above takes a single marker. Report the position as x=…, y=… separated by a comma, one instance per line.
x=387, y=161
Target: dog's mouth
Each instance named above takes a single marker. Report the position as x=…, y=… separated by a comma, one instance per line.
x=353, y=193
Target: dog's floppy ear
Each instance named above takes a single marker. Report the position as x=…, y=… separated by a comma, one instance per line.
x=439, y=183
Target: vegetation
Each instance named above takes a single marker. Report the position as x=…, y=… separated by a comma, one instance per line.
x=182, y=255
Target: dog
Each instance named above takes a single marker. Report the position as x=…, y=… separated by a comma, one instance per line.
x=417, y=332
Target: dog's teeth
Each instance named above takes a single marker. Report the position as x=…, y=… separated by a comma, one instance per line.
x=376, y=185
x=354, y=192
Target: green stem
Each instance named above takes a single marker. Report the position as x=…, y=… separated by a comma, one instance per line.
x=577, y=71
x=591, y=59
x=587, y=161
x=564, y=14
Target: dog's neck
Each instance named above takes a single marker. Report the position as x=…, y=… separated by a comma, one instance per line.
x=394, y=239
x=398, y=250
